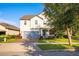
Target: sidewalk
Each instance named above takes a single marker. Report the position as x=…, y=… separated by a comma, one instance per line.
x=55, y=43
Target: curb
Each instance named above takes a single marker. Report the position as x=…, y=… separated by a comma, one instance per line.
x=66, y=50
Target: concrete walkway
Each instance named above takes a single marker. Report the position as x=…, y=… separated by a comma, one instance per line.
x=12, y=49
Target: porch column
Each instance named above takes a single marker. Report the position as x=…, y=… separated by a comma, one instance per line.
x=48, y=32
x=41, y=32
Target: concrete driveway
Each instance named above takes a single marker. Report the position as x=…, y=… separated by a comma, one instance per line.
x=12, y=49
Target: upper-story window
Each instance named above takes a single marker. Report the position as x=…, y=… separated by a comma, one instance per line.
x=36, y=22
x=25, y=22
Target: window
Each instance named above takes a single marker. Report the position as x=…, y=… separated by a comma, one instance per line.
x=36, y=22
x=25, y=22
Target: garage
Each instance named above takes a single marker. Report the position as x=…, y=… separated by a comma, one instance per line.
x=35, y=34
x=2, y=32
x=31, y=34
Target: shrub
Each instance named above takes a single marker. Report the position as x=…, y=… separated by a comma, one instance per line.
x=59, y=34
x=65, y=36
x=76, y=36
x=2, y=37
x=10, y=36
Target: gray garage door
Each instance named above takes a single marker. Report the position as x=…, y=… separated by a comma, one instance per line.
x=32, y=34
x=35, y=34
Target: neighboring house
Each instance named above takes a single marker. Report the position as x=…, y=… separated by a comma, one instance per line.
x=33, y=26
x=7, y=29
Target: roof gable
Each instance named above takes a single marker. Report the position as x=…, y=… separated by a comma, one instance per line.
x=8, y=26
x=28, y=17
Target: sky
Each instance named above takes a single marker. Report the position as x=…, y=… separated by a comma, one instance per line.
x=12, y=12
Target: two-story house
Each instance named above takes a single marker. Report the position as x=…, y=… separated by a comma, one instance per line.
x=33, y=26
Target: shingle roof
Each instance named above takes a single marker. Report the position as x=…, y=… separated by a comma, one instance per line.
x=27, y=17
x=9, y=26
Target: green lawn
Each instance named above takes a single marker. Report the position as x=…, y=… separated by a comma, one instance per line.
x=9, y=38
x=9, y=41
x=57, y=46
x=55, y=40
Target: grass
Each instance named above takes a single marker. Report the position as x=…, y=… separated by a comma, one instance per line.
x=57, y=46
x=10, y=38
x=9, y=41
x=57, y=40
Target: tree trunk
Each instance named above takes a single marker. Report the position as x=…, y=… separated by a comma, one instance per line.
x=69, y=36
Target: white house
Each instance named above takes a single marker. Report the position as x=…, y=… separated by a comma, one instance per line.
x=33, y=26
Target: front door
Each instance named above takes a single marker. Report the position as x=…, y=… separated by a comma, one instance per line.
x=45, y=32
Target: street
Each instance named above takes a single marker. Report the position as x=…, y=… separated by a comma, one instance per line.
x=55, y=53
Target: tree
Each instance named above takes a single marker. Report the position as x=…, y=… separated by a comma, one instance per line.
x=64, y=17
